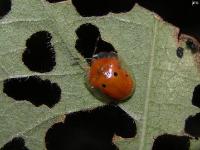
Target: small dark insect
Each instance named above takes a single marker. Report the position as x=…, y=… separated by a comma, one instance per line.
x=192, y=46
x=179, y=52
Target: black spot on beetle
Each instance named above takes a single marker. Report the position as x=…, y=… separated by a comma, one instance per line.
x=196, y=96
x=192, y=125
x=39, y=55
x=171, y=142
x=16, y=143
x=179, y=52
x=87, y=8
x=5, y=7
x=55, y=1
x=192, y=46
x=115, y=74
x=91, y=130
x=33, y=89
x=103, y=85
x=89, y=41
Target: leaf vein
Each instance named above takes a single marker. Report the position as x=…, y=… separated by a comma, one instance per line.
x=148, y=88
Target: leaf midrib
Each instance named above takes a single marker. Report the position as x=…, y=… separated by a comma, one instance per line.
x=148, y=88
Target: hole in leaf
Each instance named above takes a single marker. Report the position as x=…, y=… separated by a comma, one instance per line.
x=192, y=124
x=55, y=1
x=39, y=55
x=196, y=96
x=87, y=38
x=118, y=6
x=103, y=46
x=16, y=143
x=171, y=142
x=5, y=7
x=188, y=23
x=89, y=41
x=87, y=8
x=33, y=89
x=91, y=130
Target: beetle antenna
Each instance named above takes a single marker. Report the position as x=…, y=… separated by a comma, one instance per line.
x=95, y=46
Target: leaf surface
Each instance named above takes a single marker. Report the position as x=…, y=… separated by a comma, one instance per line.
x=164, y=82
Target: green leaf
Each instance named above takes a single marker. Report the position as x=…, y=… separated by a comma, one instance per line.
x=164, y=82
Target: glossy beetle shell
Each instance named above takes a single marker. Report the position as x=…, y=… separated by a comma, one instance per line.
x=109, y=77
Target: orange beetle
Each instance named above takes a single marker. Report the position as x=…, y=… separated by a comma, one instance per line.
x=108, y=77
